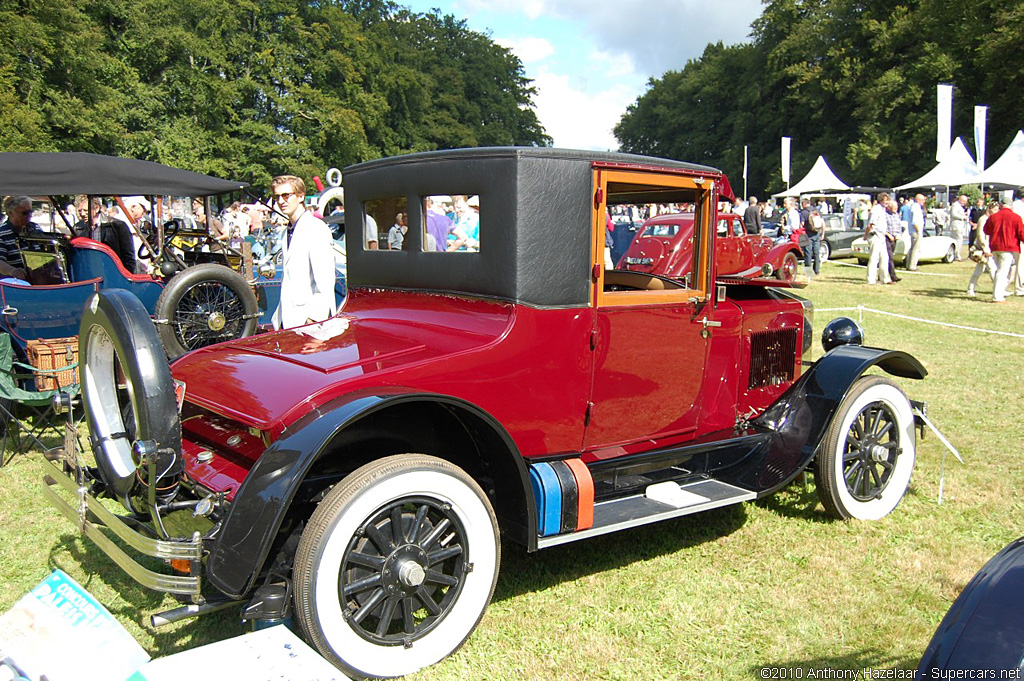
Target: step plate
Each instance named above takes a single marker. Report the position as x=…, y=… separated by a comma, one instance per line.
x=633, y=511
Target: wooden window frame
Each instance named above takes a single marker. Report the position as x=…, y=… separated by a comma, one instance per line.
x=703, y=234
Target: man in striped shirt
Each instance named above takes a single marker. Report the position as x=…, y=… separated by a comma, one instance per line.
x=19, y=210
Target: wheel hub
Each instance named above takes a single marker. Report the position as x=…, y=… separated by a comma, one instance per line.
x=216, y=321
x=878, y=453
x=405, y=569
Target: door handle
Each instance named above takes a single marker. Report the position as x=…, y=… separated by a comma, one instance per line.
x=706, y=324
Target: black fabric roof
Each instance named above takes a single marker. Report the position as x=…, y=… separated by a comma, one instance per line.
x=50, y=173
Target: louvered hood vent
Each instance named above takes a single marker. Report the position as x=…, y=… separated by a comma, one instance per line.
x=772, y=357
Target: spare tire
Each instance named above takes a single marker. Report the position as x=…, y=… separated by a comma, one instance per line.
x=116, y=331
x=203, y=305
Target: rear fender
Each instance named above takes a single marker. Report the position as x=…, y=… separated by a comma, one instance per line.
x=262, y=502
x=799, y=418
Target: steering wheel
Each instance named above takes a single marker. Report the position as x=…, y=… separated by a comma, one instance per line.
x=171, y=229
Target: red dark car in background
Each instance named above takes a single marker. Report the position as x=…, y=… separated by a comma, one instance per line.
x=360, y=473
x=664, y=246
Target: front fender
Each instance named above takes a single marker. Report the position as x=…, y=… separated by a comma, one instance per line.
x=263, y=500
x=799, y=418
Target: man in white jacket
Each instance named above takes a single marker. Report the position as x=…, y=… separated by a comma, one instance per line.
x=307, y=283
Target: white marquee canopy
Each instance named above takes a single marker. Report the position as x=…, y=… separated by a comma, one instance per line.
x=1009, y=169
x=820, y=180
x=958, y=168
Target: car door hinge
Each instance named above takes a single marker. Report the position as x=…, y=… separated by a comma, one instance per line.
x=598, y=196
x=593, y=340
x=587, y=414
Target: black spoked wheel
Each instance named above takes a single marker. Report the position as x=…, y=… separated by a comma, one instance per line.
x=404, y=575
x=396, y=566
x=203, y=305
x=864, y=467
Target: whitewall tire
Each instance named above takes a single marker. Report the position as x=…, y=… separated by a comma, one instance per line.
x=384, y=603
x=863, y=468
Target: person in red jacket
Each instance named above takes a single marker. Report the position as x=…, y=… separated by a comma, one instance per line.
x=1005, y=231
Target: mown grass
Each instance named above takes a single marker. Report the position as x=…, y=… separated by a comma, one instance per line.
x=717, y=595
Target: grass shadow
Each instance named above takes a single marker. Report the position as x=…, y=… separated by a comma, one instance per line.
x=959, y=293
x=797, y=500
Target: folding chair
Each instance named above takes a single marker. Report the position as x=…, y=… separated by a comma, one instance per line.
x=18, y=405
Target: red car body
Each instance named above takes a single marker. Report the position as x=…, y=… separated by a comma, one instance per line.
x=664, y=245
x=360, y=470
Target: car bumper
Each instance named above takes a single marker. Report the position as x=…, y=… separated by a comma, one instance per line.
x=98, y=523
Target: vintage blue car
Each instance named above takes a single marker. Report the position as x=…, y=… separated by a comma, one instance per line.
x=193, y=305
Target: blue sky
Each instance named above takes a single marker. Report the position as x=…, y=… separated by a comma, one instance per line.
x=590, y=59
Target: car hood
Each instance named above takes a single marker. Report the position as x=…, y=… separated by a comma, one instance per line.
x=384, y=341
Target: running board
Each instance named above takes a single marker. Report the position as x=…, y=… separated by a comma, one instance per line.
x=659, y=502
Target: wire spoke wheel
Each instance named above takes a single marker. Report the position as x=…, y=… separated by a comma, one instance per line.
x=203, y=305
x=207, y=313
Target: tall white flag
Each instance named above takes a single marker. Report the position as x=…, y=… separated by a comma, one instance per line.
x=980, y=117
x=944, y=139
x=786, y=141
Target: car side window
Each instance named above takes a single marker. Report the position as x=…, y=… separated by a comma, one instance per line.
x=737, y=227
x=658, y=193
x=451, y=223
x=385, y=224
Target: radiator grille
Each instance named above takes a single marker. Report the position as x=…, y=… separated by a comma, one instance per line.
x=772, y=357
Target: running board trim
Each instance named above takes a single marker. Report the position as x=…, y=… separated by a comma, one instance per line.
x=643, y=509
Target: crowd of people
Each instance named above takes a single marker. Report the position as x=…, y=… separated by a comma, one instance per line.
x=992, y=233
x=993, y=245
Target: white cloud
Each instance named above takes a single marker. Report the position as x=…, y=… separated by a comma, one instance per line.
x=659, y=35
x=578, y=119
x=529, y=50
x=614, y=64
x=628, y=42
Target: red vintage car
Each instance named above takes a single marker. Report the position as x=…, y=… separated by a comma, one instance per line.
x=358, y=474
x=664, y=243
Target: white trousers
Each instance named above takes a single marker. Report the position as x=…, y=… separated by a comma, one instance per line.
x=879, y=259
x=987, y=265
x=1004, y=259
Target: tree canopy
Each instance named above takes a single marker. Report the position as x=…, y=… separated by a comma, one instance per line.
x=247, y=89
x=853, y=80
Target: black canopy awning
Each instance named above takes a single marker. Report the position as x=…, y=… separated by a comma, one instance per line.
x=51, y=173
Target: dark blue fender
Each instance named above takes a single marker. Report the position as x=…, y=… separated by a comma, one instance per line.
x=797, y=421
x=241, y=547
x=984, y=628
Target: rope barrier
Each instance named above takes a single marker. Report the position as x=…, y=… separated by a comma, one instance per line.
x=861, y=309
x=900, y=269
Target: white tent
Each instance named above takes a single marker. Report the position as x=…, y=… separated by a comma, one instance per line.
x=1009, y=169
x=956, y=169
x=820, y=180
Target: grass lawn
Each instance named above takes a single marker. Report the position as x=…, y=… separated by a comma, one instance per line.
x=722, y=594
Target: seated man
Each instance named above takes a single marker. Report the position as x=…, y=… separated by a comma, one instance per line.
x=113, y=233
x=19, y=210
